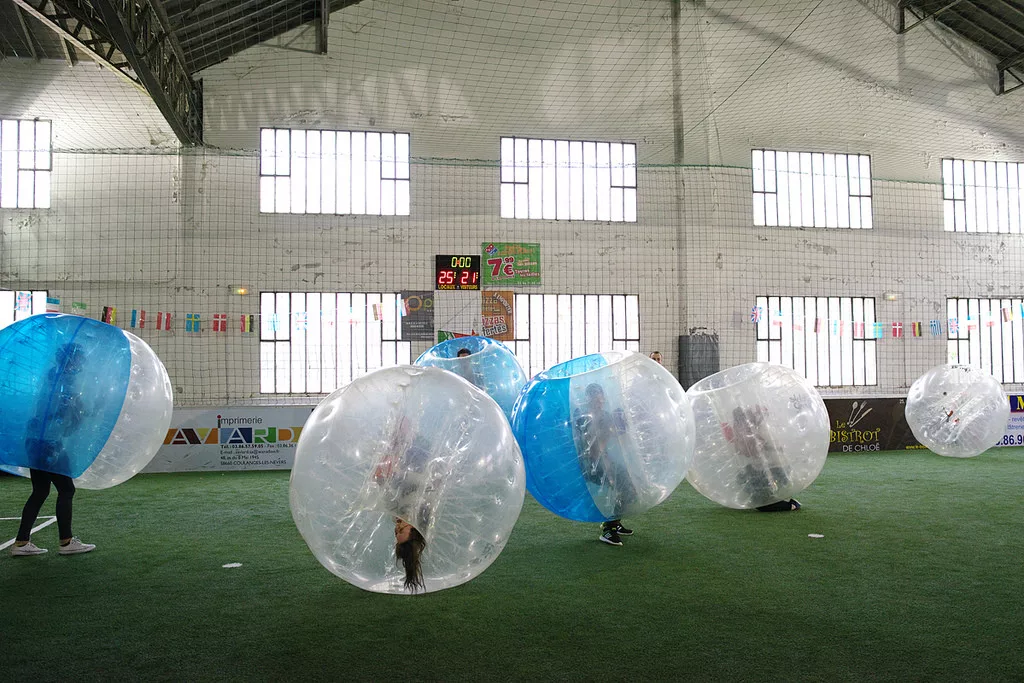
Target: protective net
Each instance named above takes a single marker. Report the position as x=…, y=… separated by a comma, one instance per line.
x=163, y=240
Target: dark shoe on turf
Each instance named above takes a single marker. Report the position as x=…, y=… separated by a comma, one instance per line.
x=611, y=537
x=780, y=506
x=623, y=531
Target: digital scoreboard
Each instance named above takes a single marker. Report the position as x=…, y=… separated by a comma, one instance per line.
x=457, y=272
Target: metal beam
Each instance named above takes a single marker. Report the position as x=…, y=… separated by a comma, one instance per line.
x=69, y=52
x=25, y=32
x=324, y=16
x=128, y=37
x=905, y=6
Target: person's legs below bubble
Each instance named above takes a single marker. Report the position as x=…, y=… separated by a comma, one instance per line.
x=29, y=514
x=69, y=544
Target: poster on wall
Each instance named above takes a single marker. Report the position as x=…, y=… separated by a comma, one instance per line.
x=510, y=263
x=418, y=321
x=252, y=438
x=497, y=311
x=858, y=425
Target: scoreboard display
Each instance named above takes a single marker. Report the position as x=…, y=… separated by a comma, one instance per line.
x=453, y=272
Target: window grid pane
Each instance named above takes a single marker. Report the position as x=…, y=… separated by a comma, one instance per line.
x=560, y=327
x=811, y=189
x=982, y=196
x=987, y=334
x=313, y=343
x=830, y=341
x=334, y=172
x=25, y=164
x=568, y=180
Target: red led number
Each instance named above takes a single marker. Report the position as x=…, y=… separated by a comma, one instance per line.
x=446, y=277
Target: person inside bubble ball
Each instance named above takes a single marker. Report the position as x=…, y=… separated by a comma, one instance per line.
x=597, y=429
x=656, y=357
x=59, y=413
x=406, y=486
x=761, y=477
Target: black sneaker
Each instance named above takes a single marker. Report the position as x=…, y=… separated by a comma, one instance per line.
x=611, y=537
x=623, y=531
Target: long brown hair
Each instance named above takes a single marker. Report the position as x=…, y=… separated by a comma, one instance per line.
x=409, y=553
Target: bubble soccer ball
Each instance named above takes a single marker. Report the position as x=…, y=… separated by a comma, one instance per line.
x=80, y=398
x=762, y=435
x=604, y=436
x=490, y=366
x=413, y=443
x=957, y=411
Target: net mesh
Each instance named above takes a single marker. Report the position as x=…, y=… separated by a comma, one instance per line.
x=138, y=223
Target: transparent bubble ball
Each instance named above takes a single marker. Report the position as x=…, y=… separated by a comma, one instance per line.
x=604, y=436
x=762, y=435
x=957, y=411
x=419, y=444
x=80, y=398
x=490, y=365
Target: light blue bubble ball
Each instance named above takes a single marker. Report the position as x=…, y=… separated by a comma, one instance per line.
x=604, y=436
x=490, y=365
x=80, y=398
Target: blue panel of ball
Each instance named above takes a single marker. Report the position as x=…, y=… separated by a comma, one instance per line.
x=63, y=381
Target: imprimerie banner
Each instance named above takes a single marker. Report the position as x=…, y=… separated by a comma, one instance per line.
x=253, y=438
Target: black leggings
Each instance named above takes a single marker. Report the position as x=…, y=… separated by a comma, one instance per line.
x=40, y=490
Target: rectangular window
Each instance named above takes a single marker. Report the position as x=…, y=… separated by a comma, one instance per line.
x=982, y=196
x=26, y=159
x=987, y=334
x=811, y=189
x=554, y=328
x=568, y=180
x=314, y=343
x=828, y=340
x=17, y=305
x=337, y=172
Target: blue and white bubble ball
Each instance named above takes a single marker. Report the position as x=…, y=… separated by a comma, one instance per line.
x=490, y=365
x=414, y=443
x=762, y=435
x=604, y=436
x=81, y=398
x=957, y=411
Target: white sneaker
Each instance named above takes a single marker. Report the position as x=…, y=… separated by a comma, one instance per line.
x=27, y=549
x=75, y=546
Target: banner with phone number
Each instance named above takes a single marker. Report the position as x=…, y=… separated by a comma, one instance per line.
x=1014, y=435
x=510, y=263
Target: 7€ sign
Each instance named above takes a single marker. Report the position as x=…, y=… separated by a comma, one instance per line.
x=511, y=263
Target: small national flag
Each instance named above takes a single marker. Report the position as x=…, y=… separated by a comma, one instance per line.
x=138, y=318
x=220, y=322
x=274, y=322
x=78, y=308
x=971, y=325
x=858, y=330
x=936, y=327
x=403, y=306
x=879, y=331
x=916, y=327
x=1006, y=315
x=109, y=315
x=897, y=329
x=301, y=320
x=24, y=303
x=163, y=321
x=248, y=324
x=52, y=304
x=192, y=323
x=817, y=325
x=778, y=319
x=990, y=323
x=953, y=325
x=755, y=314
x=378, y=311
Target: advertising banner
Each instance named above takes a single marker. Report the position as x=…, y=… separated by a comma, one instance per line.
x=1014, y=435
x=252, y=438
x=510, y=263
x=860, y=425
x=497, y=309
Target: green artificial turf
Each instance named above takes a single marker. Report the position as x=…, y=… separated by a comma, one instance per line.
x=918, y=577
